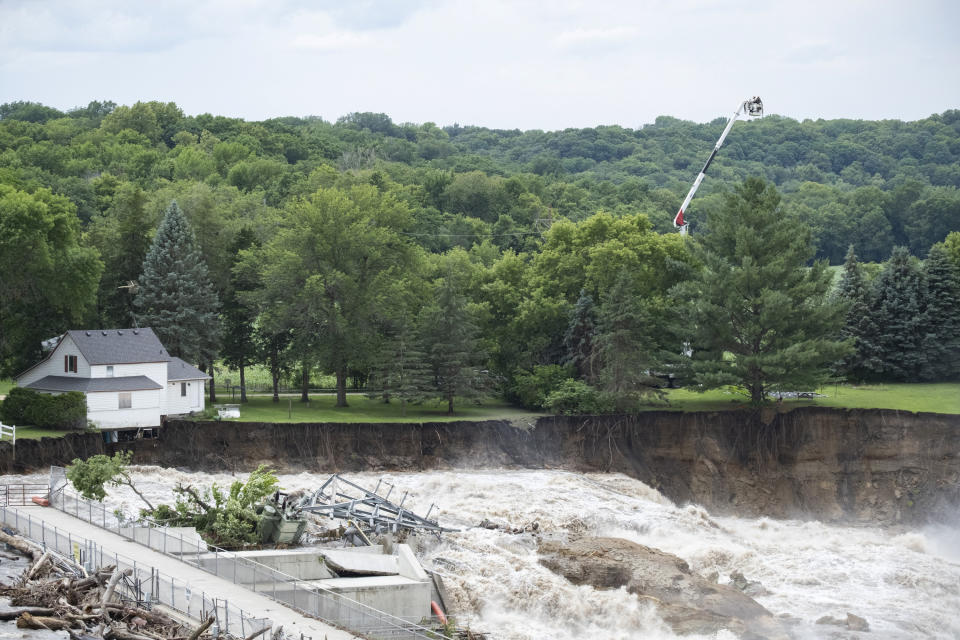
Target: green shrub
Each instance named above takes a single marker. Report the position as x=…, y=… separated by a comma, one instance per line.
x=29, y=407
x=575, y=397
x=532, y=388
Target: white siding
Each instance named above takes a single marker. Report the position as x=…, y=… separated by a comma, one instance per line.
x=156, y=371
x=53, y=366
x=104, y=410
x=193, y=401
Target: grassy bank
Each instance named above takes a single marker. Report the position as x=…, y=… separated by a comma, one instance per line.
x=363, y=409
x=933, y=397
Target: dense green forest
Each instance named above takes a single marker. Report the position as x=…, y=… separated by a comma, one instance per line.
x=329, y=246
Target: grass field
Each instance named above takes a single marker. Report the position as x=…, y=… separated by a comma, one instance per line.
x=5, y=386
x=363, y=409
x=934, y=397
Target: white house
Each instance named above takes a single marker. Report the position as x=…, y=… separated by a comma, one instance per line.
x=128, y=377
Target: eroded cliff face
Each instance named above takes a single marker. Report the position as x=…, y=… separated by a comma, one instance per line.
x=860, y=465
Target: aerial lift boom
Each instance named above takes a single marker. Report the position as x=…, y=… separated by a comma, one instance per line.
x=751, y=107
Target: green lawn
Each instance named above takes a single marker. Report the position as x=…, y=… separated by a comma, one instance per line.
x=933, y=397
x=363, y=409
x=5, y=385
x=33, y=433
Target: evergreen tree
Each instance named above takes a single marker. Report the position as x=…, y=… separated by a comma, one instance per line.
x=755, y=306
x=451, y=339
x=942, y=343
x=579, y=337
x=859, y=325
x=899, y=310
x=175, y=296
x=401, y=370
x=626, y=345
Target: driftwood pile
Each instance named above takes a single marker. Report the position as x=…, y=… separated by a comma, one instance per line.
x=49, y=595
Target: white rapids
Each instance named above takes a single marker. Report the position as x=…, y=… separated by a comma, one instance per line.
x=905, y=583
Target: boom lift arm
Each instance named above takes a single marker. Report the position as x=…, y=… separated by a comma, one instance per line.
x=751, y=107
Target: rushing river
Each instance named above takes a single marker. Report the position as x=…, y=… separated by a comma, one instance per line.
x=905, y=583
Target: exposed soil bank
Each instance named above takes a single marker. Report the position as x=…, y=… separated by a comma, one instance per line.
x=862, y=465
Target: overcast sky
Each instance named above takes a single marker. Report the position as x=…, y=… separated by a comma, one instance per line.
x=505, y=64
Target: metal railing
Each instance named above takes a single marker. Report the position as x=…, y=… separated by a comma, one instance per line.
x=20, y=494
x=145, y=584
x=316, y=601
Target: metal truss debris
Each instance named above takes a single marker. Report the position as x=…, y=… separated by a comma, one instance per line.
x=342, y=499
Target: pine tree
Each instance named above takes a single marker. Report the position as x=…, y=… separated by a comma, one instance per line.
x=401, y=370
x=579, y=337
x=899, y=310
x=451, y=339
x=761, y=315
x=859, y=325
x=942, y=337
x=626, y=346
x=175, y=295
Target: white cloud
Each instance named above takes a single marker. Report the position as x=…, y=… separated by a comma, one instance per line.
x=500, y=63
x=592, y=37
x=336, y=41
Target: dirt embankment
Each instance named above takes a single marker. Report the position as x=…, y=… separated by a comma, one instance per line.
x=867, y=465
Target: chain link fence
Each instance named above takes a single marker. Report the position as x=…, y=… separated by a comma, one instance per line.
x=315, y=601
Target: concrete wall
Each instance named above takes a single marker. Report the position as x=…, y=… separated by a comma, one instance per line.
x=53, y=365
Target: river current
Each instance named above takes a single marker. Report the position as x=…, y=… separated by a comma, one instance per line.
x=904, y=582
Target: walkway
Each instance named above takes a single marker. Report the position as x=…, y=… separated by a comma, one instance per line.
x=255, y=604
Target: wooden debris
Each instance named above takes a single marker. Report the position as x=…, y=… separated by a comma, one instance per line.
x=50, y=596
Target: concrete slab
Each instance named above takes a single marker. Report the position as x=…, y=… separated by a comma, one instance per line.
x=254, y=603
x=368, y=564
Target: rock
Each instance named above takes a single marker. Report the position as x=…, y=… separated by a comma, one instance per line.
x=686, y=601
x=853, y=622
x=751, y=588
x=856, y=623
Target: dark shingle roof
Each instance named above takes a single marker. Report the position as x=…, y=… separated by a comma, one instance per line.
x=177, y=369
x=119, y=346
x=92, y=385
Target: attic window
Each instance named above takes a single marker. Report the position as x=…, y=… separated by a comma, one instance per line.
x=109, y=370
x=70, y=364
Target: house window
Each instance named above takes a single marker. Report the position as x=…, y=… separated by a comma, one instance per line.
x=183, y=388
x=109, y=370
x=126, y=399
x=70, y=364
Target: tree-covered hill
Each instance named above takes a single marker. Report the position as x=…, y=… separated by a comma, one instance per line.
x=876, y=184
x=454, y=260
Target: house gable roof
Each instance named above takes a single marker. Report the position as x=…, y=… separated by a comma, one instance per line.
x=92, y=385
x=177, y=369
x=119, y=346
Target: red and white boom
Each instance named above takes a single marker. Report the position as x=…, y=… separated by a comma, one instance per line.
x=751, y=107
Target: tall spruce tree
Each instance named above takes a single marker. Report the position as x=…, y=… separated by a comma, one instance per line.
x=400, y=370
x=580, y=336
x=859, y=325
x=899, y=310
x=756, y=307
x=451, y=340
x=627, y=348
x=942, y=337
x=175, y=296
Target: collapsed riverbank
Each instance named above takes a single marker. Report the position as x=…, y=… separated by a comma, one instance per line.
x=871, y=466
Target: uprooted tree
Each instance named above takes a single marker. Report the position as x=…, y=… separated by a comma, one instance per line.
x=227, y=518
x=92, y=476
